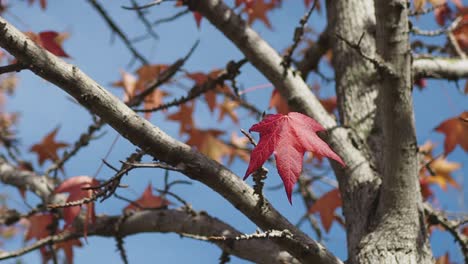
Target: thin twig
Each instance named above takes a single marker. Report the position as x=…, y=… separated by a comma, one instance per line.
x=15, y=67
x=136, y=7
x=117, y=31
x=171, y=18
x=199, y=90
x=144, y=20
x=298, y=34
x=435, y=218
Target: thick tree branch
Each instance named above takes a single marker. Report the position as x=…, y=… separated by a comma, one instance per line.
x=170, y=221
x=440, y=68
x=42, y=186
x=158, y=144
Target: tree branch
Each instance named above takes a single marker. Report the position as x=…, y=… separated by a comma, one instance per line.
x=170, y=221
x=440, y=68
x=160, y=145
x=42, y=186
x=117, y=31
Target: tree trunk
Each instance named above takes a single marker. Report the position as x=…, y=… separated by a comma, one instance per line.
x=384, y=216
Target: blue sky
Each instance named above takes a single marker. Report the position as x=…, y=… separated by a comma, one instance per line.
x=43, y=107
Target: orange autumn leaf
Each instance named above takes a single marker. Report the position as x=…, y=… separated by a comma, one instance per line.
x=326, y=206
x=184, y=116
x=147, y=74
x=128, y=83
x=258, y=10
x=39, y=226
x=419, y=5
x=228, y=108
x=153, y=100
x=239, y=144
x=207, y=142
x=47, y=148
x=210, y=96
x=456, y=131
x=278, y=103
x=147, y=201
x=442, y=170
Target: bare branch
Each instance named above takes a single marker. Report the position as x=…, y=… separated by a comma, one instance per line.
x=117, y=31
x=313, y=54
x=16, y=67
x=436, y=218
x=171, y=221
x=440, y=68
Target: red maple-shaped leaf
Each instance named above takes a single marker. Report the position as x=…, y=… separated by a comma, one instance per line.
x=456, y=131
x=75, y=187
x=147, y=201
x=288, y=137
x=39, y=226
x=326, y=207
x=47, y=149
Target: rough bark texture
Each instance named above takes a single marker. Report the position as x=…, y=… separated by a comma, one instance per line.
x=398, y=233
x=356, y=88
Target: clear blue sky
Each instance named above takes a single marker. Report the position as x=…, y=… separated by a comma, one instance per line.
x=92, y=48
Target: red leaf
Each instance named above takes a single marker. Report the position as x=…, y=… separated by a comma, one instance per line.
x=52, y=41
x=74, y=186
x=198, y=18
x=288, y=137
x=456, y=131
x=147, y=201
x=326, y=206
x=39, y=226
x=67, y=247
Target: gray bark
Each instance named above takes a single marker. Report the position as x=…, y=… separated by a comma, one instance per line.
x=398, y=233
x=356, y=88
